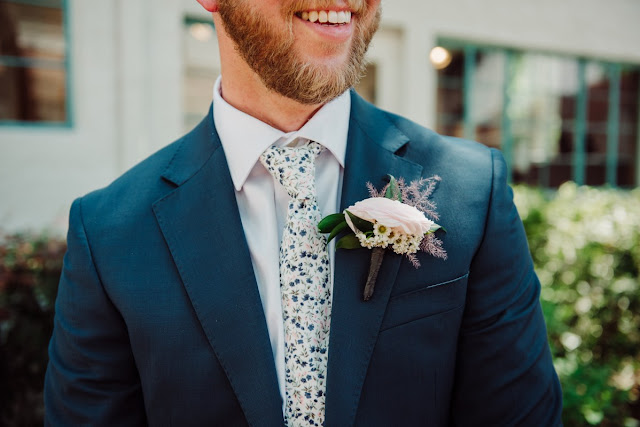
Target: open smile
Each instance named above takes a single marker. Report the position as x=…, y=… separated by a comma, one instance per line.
x=326, y=17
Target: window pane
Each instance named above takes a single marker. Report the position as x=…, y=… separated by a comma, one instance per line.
x=32, y=94
x=543, y=94
x=487, y=97
x=202, y=66
x=598, y=85
x=450, y=102
x=366, y=87
x=628, y=122
x=486, y=84
x=32, y=62
x=31, y=31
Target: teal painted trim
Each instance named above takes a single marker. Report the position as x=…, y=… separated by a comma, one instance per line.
x=25, y=62
x=637, y=163
x=580, y=130
x=470, y=52
x=188, y=20
x=506, y=137
x=33, y=125
x=68, y=64
x=613, y=124
x=51, y=4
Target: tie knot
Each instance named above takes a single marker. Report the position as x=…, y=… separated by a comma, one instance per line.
x=294, y=168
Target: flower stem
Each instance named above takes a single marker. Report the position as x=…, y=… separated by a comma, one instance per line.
x=377, y=254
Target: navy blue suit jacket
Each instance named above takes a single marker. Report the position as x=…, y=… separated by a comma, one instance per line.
x=159, y=320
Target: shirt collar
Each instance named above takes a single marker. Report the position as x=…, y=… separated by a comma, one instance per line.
x=244, y=137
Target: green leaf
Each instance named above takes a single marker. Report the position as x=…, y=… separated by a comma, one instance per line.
x=337, y=230
x=330, y=222
x=393, y=190
x=350, y=241
x=361, y=224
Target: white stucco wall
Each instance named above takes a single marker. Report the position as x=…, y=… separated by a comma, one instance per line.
x=127, y=82
x=126, y=91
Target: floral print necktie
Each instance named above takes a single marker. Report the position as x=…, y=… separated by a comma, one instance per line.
x=304, y=285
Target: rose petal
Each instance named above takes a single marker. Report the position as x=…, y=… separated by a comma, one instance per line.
x=391, y=213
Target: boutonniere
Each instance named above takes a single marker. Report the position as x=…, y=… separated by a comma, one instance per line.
x=394, y=218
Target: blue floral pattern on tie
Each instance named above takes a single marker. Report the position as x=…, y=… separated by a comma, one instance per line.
x=304, y=285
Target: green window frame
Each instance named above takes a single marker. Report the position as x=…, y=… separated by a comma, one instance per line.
x=468, y=84
x=39, y=63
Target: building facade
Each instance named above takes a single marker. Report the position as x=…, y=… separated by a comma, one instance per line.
x=89, y=88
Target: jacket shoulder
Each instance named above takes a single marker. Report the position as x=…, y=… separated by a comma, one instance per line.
x=446, y=148
x=470, y=163
x=425, y=146
x=130, y=197
x=140, y=185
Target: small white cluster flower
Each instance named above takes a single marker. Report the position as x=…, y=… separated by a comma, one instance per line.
x=366, y=242
x=407, y=244
x=384, y=236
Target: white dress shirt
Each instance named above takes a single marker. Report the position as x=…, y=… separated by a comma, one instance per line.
x=263, y=203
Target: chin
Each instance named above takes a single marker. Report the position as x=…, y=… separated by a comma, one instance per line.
x=331, y=59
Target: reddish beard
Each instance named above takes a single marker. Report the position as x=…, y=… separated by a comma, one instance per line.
x=271, y=55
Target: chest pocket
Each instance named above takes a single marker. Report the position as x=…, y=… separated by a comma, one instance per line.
x=427, y=301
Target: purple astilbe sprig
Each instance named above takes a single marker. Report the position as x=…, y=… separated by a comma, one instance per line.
x=375, y=193
x=418, y=192
x=433, y=246
x=413, y=259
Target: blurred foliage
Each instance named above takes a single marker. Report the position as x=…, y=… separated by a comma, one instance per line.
x=585, y=244
x=29, y=272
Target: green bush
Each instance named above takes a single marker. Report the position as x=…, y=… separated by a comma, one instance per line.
x=585, y=243
x=29, y=273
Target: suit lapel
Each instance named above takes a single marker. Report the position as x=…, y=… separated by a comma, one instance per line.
x=202, y=227
x=372, y=143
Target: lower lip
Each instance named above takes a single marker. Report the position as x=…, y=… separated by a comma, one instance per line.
x=338, y=33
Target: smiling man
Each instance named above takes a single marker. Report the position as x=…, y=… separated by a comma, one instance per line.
x=197, y=289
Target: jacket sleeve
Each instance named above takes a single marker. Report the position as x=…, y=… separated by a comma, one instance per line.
x=504, y=371
x=91, y=378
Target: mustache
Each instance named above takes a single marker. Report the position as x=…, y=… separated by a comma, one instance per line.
x=357, y=6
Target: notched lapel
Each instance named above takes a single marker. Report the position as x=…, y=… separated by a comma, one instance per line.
x=202, y=227
x=373, y=141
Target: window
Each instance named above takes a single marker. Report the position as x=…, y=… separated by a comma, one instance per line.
x=34, y=62
x=366, y=87
x=201, y=68
x=555, y=118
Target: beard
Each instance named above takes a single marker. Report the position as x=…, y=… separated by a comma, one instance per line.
x=270, y=51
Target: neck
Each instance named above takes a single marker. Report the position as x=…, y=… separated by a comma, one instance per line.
x=250, y=96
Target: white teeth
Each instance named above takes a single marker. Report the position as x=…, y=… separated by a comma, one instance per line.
x=327, y=16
